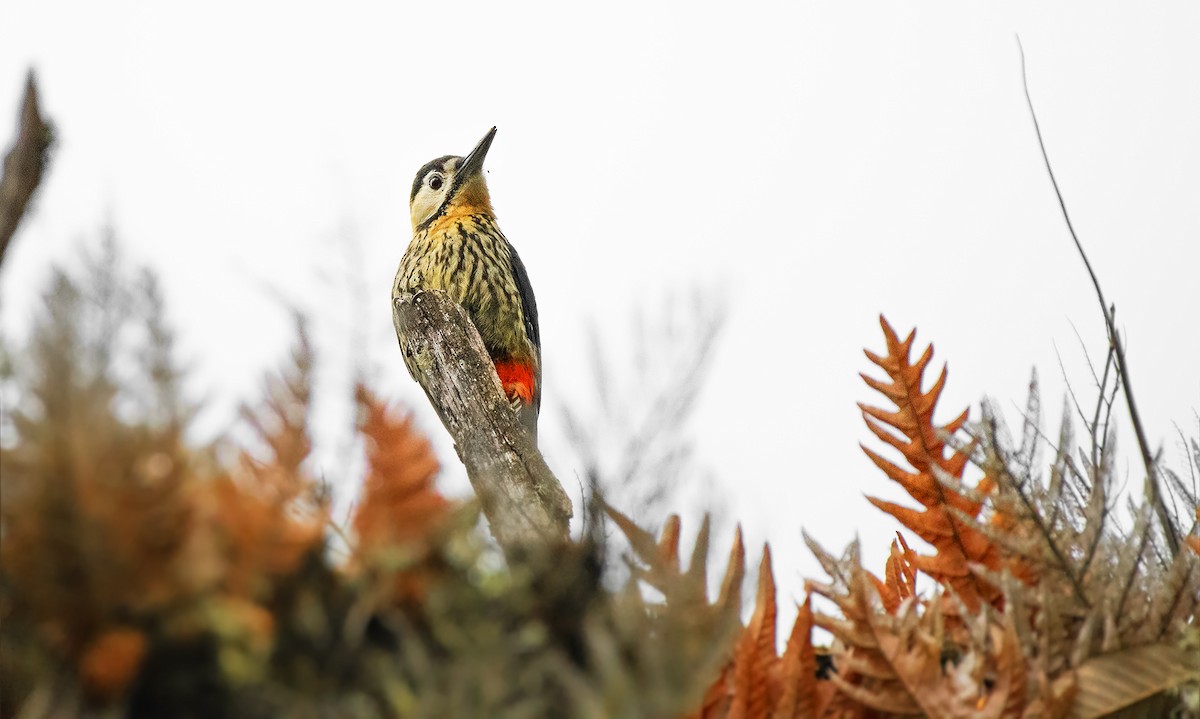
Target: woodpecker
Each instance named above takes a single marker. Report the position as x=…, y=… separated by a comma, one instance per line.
x=458, y=247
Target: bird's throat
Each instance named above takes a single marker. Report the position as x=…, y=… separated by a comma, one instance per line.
x=472, y=198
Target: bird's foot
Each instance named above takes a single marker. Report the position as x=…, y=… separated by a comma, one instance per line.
x=519, y=394
x=517, y=380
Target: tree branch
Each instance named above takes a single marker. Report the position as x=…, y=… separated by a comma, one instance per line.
x=1153, y=490
x=23, y=165
x=523, y=501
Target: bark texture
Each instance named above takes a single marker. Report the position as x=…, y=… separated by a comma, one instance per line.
x=521, y=498
x=23, y=165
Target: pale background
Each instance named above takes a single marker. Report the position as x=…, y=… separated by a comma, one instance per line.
x=810, y=165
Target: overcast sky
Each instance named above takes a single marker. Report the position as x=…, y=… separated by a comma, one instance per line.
x=809, y=164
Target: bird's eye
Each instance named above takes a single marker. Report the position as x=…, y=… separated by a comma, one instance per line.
x=435, y=182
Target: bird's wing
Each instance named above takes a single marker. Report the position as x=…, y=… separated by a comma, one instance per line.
x=529, y=310
x=528, y=303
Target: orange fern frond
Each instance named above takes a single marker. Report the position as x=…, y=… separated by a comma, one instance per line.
x=900, y=575
x=269, y=516
x=731, y=584
x=668, y=541
x=757, y=682
x=111, y=662
x=400, y=503
x=259, y=538
x=865, y=676
x=799, y=692
x=754, y=658
x=985, y=679
x=401, y=514
x=685, y=594
x=99, y=522
x=282, y=425
x=920, y=442
x=896, y=662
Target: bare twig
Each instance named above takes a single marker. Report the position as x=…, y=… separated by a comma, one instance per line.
x=1152, y=486
x=1024, y=492
x=1103, y=401
x=1071, y=391
x=23, y=165
x=523, y=501
x=637, y=449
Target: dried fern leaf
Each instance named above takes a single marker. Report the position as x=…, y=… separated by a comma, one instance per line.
x=900, y=573
x=798, y=671
x=921, y=443
x=282, y=424
x=399, y=503
x=735, y=569
x=668, y=541
x=1111, y=682
x=755, y=656
x=865, y=675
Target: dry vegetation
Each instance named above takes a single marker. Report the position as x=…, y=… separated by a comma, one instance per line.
x=145, y=575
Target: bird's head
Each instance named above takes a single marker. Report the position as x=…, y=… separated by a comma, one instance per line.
x=451, y=185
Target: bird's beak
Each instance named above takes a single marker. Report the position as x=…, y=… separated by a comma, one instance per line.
x=473, y=163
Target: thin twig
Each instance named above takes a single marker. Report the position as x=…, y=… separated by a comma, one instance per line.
x=1024, y=493
x=1105, y=403
x=1099, y=439
x=1152, y=487
x=1083, y=346
x=1071, y=391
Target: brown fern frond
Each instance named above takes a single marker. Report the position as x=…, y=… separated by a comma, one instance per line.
x=281, y=423
x=400, y=503
x=1139, y=679
x=922, y=658
x=668, y=541
x=401, y=518
x=984, y=678
x=111, y=662
x=98, y=515
x=865, y=677
x=756, y=681
x=900, y=575
x=718, y=698
x=686, y=615
x=271, y=514
x=258, y=538
x=1102, y=585
x=796, y=676
x=663, y=571
x=754, y=659
x=921, y=443
x=731, y=584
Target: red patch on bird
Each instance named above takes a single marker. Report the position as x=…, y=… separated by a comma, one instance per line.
x=517, y=379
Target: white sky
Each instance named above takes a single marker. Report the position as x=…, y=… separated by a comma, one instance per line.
x=815, y=163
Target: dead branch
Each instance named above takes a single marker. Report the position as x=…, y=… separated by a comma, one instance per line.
x=522, y=499
x=23, y=165
x=1153, y=490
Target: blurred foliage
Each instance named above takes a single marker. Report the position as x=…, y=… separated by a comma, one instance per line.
x=632, y=438
x=144, y=575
